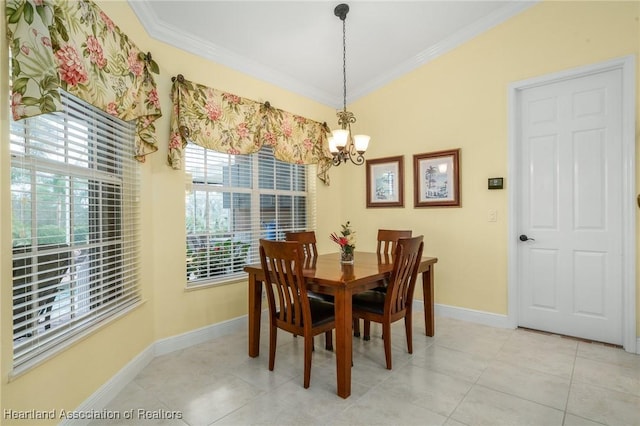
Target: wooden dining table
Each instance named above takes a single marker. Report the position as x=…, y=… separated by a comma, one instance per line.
x=327, y=275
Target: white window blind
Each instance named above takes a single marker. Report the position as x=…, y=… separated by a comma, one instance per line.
x=75, y=222
x=234, y=200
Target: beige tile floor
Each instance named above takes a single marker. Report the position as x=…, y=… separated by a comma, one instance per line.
x=468, y=374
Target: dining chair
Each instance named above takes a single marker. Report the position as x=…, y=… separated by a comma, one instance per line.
x=394, y=304
x=308, y=241
x=387, y=240
x=290, y=308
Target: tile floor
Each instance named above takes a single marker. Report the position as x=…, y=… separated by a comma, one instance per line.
x=468, y=374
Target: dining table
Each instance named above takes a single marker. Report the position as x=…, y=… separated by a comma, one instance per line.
x=327, y=275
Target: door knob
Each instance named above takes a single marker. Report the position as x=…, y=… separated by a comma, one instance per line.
x=525, y=238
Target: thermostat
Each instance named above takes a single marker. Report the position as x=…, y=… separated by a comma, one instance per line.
x=495, y=183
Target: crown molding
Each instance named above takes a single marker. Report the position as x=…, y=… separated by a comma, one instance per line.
x=432, y=52
x=162, y=31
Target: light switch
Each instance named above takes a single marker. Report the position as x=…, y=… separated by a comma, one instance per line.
x=492, y=215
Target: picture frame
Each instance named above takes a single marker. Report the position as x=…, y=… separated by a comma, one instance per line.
x=385, y=182
x=436, y=179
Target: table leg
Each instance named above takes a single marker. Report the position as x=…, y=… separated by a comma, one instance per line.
x=344, y=343
x=255, y=311
x=427, y=291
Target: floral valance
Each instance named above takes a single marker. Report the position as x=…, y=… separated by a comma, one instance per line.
x=74, y=46
x=228, y=123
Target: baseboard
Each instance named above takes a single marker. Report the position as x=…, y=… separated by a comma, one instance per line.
x=94, y=405
x=464, y=314
x=201, y=335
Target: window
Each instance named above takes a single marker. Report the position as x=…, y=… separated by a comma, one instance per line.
x=75, y=221
x=234, y=201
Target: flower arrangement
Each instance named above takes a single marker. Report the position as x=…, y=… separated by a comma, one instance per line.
x=346, y=241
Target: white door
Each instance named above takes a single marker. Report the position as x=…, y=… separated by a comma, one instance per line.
x=570, y=269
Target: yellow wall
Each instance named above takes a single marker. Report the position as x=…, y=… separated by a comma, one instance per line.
x=168, y=309
x=457, y=100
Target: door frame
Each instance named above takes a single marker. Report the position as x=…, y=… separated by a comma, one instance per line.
x=627, y=66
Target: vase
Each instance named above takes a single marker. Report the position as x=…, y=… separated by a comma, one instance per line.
x=346, y=256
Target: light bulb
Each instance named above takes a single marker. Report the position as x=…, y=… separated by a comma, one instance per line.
x=361, y=142
x=332, y=145
x=340, y=137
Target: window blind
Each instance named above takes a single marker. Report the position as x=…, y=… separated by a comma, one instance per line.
x=75, y=222
x=234, y=200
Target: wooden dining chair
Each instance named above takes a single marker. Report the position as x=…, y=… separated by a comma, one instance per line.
x=387, y=240
x=396, y=303
x=308, y=241
x=290, y=308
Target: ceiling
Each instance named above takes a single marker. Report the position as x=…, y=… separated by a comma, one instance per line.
x=297, y=45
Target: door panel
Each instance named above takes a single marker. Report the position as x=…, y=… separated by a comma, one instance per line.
x=570, y=274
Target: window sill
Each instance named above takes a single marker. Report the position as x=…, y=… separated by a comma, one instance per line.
x=217, y=283
x=63, y=346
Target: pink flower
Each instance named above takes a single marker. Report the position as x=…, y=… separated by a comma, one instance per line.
x=153, y=98
x=38, y=2
x=107, y=21
x=233, y=151
x=112, y=109
x=213, y=111
x=341, y=241
x=299, y=119
x=270, y=139
x=25, y=49
x=347, y=238
x=136, y=66
x=46, y=41
x=96, y=55
x=232, y=99
x=308, y=144
x=70, y=66
x=242, y=130
x=16, y=106
x=287, y=129
x=175, y=142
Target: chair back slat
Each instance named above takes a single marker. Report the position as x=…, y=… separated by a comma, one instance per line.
x=405, y=272
x=284, y=260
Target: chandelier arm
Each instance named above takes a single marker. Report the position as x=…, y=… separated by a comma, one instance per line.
x=359, y=159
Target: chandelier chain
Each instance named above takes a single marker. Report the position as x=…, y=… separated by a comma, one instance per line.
x=344, y=63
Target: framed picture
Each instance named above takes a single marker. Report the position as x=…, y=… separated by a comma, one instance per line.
x=385, y=182
x=437, y=179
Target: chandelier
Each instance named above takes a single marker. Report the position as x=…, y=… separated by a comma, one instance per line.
x=343, y=144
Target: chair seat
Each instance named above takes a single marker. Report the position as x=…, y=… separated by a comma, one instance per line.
x=321, y=312
x=382, y=285
x=370, y=301
x=320, y=296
